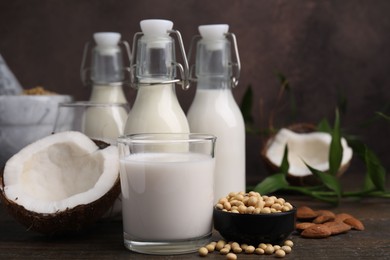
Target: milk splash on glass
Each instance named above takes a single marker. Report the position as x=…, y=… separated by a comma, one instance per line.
x=167, y=193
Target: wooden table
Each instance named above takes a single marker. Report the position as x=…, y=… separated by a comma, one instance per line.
x=104, y=241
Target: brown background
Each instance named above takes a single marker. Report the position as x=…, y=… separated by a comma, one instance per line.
x=329, y=50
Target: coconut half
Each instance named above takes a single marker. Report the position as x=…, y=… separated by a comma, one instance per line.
x=60, y=183
x=311, y=148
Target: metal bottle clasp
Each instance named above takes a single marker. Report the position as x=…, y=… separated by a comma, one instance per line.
x=85, y=69
x=183, y=68
x=235, y=65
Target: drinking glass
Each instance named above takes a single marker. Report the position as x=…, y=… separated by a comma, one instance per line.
x=99, y=121
x=167, y=191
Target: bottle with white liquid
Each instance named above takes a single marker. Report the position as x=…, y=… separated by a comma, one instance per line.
x=107, y=110
x=156, y=108
x=214, y=109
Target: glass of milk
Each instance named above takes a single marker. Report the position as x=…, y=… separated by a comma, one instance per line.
x=99, y=121
x=167, y=191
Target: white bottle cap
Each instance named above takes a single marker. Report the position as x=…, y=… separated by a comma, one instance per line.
x=156, y=32
x=107, y=39
x=107, y=42
x=156, y=27
x=213, y=31
x=213, y=34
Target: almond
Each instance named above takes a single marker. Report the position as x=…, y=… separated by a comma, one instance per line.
x=305, y=212
x=342, y=216
x=354, y=223
x=316, y=231
x=303, y=225
x=324, y=212
x=337, y=227
x=322, y=219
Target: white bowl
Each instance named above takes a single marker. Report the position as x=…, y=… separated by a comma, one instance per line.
x=25, y=119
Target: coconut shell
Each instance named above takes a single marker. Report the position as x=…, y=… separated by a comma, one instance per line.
x=66, y=222
x=309, y=180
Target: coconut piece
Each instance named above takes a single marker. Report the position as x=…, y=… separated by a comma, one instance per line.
x=310, y=147
x=60, y=183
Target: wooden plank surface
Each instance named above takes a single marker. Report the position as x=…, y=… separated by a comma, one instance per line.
x=104, y=240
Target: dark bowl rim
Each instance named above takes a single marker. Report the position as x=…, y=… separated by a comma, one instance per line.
x=275, y=214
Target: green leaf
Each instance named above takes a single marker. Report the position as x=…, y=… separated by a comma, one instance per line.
x=324, y=126
x=376, y=173
x=330, y=181
x=358, y=147
x=382, y=115
x=360, y=150
x=342, y=101
x=286, y=88
x=368, y=185
x=246, y=105
x=283, y=80
x=375, y=170
x=330, y=198
x=272, y=183
x=285, y=165
x=336, y=150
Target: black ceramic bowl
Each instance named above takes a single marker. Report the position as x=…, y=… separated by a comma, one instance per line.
x=253, y=229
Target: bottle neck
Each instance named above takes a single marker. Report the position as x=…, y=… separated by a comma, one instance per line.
x=166, y=90
x=107, y=64
x=214, y=83
x=108, y=93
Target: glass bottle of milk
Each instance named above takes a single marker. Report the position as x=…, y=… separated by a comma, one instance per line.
x=214, y=109
x=156, y=108
x=106, y=114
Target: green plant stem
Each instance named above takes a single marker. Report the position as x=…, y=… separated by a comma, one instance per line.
x=315, y=194
x=376, y=193
x=326, y=194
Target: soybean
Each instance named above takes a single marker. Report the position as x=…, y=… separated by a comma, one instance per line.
x=280, y=253
x=276, y=247
x=210, y=247
x=231, y=256
x=203, y=251
x=220, y=244
x=232, y=248
x=259, y=251
x=286, y=249
x=244, y=246
x=237, y=250
x=269, y=250
x=252, y=203
x=224, y=251
x=289, y=243
x=249, y=250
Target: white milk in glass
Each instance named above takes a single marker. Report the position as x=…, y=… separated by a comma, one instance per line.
x=168, y=196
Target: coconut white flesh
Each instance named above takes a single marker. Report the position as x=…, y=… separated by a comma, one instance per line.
x=310, y=148
x=60, y=172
